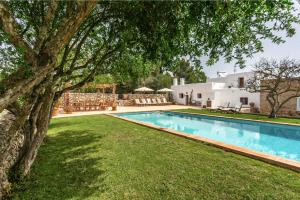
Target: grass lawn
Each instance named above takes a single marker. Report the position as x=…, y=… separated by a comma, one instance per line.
x=243, y=115
x=100, y=157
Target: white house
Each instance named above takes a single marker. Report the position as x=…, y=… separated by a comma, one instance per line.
x=217, y=91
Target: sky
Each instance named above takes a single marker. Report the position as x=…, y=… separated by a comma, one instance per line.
x=290, y=49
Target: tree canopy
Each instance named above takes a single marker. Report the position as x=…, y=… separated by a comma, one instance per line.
x=74, y=37
x=191, y=74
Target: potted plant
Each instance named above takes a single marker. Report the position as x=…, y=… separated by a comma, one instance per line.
x=114, y=106
x=55, y=110
x=67, y=104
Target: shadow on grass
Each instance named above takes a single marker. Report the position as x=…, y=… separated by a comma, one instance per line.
x=69, y=166
x=61, y=123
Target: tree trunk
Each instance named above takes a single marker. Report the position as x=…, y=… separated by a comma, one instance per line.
x=21, y=136
x=272, y=102
x=35, y=130
x=11, y=142
x=273, y=113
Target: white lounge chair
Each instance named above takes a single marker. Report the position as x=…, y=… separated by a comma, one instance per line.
x=226, y=105
x=149, y=102
x=237, y=108
x=138, y=103
x=164, y=100
x=159, y=101
x=144, y=102
x=154, y=102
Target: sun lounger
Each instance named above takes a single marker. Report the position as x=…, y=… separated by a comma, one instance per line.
x=226, y=105
x=154, y=102
x=144, y=102
x=138, y=103
x=159, y=101
x=237, y=108
x=149, y=102
x=164, y=100
x=225, y=109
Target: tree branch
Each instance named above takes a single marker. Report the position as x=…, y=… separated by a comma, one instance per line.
x=10, y=27
x=46, y=25
x=67, y=29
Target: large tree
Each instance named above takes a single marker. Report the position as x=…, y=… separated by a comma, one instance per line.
x=278, y=80
x=130, y=70
x=48, y=47
x=191, y=74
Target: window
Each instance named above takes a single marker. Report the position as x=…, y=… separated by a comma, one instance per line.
x=298, y=103
x=244, y=100
x=181, y=95
x=241, y=82
x=199, y=95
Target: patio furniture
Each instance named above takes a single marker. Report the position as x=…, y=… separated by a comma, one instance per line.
x=143, y=89
x=167, y=91
x=149, y=102
x=198, y=103
x=154, y=102
x=103, y=105
x=226, y=105
x=164, y=100
x=90, y=101
x=138, y=103
x=144, y=102
x=237, y=108
x=226, y=110
x=193, y=102
x=159, y=101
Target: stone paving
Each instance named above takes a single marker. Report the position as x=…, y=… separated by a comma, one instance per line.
x=121, y=109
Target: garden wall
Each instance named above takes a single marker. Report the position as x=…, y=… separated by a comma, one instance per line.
x=10, y=145
x=288, y=109
x=122, y=99
x=101, y=96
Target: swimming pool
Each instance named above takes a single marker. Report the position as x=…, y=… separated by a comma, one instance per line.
x=275, y=139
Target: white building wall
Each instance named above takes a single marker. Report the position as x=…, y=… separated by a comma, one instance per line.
x=204, y=88
x=218, y=91
x=233, y=95
x=231, y=80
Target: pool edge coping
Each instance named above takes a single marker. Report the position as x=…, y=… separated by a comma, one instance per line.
x=237, y=118
x=268, y=158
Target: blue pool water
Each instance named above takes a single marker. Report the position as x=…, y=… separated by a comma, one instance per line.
x=278, y=140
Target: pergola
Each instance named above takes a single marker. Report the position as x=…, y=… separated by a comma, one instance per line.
x=101, y=87
x=90, y=104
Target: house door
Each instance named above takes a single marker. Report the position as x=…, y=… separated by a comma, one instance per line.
x=241, y=82
x=186, y=99
x=208, y=103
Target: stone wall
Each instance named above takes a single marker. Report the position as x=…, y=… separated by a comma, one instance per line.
x=10, y=145
x=122, y=100
x=84, y=96
x=288, y=109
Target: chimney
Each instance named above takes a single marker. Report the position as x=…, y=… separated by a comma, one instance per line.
x=181, y=81
x=221, y=74
x=175, y=81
